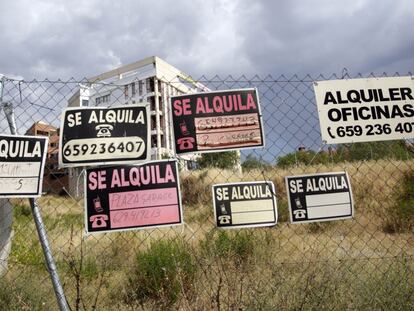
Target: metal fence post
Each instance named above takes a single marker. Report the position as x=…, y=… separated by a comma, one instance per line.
x=50, y=263
x=6, y=219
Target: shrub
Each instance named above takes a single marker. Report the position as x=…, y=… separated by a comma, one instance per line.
x=282, y=211
x=252, y=163
x=26, y=293
x=238, y=246
x=223, y=160
x=400, y=216
x=161, y=272
x=306, y=157
x=195, y=189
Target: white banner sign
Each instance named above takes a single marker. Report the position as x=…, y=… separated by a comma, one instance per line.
x=362, y=110
x=22, y=161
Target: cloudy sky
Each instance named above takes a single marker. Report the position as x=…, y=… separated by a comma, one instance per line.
x=81, y=38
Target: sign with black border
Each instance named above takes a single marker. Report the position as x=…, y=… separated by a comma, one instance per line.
x=217, y=121
x=102, y=135
x=244, y=204
x=22, y=162
x=319, y=197
x=130, y=197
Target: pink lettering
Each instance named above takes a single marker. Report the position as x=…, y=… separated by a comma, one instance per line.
x=182, y=107
x=96, y=180
x=125, y=183
x=200, y=106
x=217, y=104
x=250, y=102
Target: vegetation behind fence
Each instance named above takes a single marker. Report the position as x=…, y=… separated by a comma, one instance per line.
x=364, y=263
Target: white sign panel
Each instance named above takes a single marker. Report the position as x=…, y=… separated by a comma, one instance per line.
x=362, y=110
x=319, y=197
x=22, y=161
x=246, y=204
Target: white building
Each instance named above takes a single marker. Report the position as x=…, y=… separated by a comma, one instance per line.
x=150, y=80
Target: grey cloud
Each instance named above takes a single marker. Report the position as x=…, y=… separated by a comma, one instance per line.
x=61, y=39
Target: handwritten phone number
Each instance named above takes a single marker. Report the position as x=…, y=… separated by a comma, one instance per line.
x=102, y=148
x=370, y=129
x=226, y=121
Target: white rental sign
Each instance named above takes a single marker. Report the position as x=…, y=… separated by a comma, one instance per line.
x=22, y=161
x=362, y=110
x=319, y=197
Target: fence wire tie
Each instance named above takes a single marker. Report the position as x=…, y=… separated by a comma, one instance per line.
x=267, y=182
x=319, y=150
x=185, y=225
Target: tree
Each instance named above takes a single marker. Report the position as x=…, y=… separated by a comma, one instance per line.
x=223, y=160
x=252, y=163
x=306, y=157
x=396, y=149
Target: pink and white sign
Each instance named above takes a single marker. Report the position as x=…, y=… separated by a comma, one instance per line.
x=217, y=121
x=130, y=197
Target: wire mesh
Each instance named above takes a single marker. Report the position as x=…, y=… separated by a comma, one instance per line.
x=365, y=263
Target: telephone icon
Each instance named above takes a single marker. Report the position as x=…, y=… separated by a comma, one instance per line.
x=224, y=220
x=299, y=214
x=98, y=221
x=186, y=143
x=104, y=130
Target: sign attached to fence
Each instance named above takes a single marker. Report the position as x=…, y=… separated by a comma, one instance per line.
x=129, y=197
x=93, y=135
x=319, y=197
x=246, y=204
x=214, y=121
x=22, y=161
x=361, y=110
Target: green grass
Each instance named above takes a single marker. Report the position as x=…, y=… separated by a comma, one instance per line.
x=400, y=215
x=161, y=273
x=356, y=264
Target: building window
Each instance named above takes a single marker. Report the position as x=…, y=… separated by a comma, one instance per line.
x=159, y=85
x=153, y=123
x=126, y=91
x=150, y=85
x=154, y=141
x=160, y=103
x=151, y=100
x=102, y=99
x=42, y=133
x=133, y=89
x=140, y=87
x=162, y=141
x=85, y=102
x=162, y=121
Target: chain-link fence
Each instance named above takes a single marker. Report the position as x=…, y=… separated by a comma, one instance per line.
x=364, y=263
